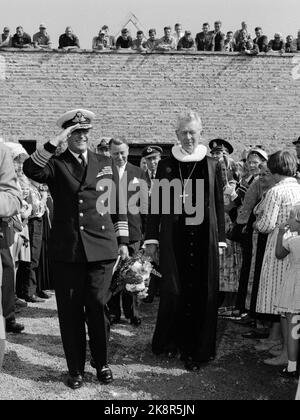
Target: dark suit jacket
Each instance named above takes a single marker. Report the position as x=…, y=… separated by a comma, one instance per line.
x=79, y=232
x=262, y=43
x=136, y=222
x=204, y=42
x=218, y=41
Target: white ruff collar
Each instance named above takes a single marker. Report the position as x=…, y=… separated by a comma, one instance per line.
x=180, y=154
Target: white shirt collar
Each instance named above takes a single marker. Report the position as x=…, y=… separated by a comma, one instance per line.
x=76, y=155
x=121, y=170
x=180, y=154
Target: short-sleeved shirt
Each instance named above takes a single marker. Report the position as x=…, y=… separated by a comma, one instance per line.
x=124, y=43
x=41, y=39
x=68, y=41
x=20, y=41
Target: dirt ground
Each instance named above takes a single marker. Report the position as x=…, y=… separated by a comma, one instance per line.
x=35, y=369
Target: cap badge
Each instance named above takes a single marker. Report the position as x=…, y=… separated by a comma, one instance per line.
x=79, y=118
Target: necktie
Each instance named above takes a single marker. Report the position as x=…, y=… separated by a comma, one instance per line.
x=152, y=174
x=82, y=159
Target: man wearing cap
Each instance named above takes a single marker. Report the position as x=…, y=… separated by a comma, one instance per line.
x=6, y=39
x=84, y=239
x=276, y=44
x=10, y=204
x=152, y=154
x=103, y=147
x=124, y=41
x=41, y=39
x=68, y=41
x=21, y=39
x=221, y=149
x=100, y=42
x=186, y=43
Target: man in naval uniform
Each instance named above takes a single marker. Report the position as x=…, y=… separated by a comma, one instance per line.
x=84, y=242
x=152, y=154
x=188, y=251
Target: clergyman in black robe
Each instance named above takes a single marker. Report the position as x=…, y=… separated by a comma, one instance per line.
x=188, y=253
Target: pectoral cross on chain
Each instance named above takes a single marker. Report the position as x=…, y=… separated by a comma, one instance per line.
x=183, y=196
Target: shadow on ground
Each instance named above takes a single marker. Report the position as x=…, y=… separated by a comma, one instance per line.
x=35, y=368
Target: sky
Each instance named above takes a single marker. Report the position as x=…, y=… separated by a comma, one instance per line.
x=87, y=16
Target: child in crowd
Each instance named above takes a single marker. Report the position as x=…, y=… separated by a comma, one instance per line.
x=288, y=304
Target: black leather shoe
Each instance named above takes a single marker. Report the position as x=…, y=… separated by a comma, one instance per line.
x=289, y=375
x=135, y=321
x=75, y=382
x=33, y=299
x=114, y=319
x=105, y=375
x=14, y=327
x=43, y=295
x=20, y=303
x=191, y=365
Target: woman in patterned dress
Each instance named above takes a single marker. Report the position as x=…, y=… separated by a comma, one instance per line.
x=276, y=208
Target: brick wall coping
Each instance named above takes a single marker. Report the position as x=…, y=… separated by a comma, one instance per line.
x=130, y=52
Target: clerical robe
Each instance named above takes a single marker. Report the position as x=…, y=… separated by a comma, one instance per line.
x=189, y=264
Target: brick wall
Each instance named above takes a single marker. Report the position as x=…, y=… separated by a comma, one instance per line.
x=247, y=100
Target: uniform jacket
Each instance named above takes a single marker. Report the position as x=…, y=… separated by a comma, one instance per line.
x=80, y=231
x=136, y=222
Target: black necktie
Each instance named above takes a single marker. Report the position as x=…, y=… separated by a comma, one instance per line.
x=152, y=174
x=82, y=159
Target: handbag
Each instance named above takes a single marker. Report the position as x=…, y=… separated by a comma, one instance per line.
x=7, y=233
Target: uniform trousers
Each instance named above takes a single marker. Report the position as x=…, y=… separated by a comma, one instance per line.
x=2, y=329
x=82, y=292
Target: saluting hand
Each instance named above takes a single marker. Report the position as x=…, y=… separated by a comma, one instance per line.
x=64, y=135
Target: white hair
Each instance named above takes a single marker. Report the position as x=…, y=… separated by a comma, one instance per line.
x=188, y=117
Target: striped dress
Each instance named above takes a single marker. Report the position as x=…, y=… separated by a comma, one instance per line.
x=276, y=209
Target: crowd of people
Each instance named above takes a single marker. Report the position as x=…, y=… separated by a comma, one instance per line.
x=240, y=262
x=175, y=39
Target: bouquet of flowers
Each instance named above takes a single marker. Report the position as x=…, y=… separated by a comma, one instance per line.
x=133, y=275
